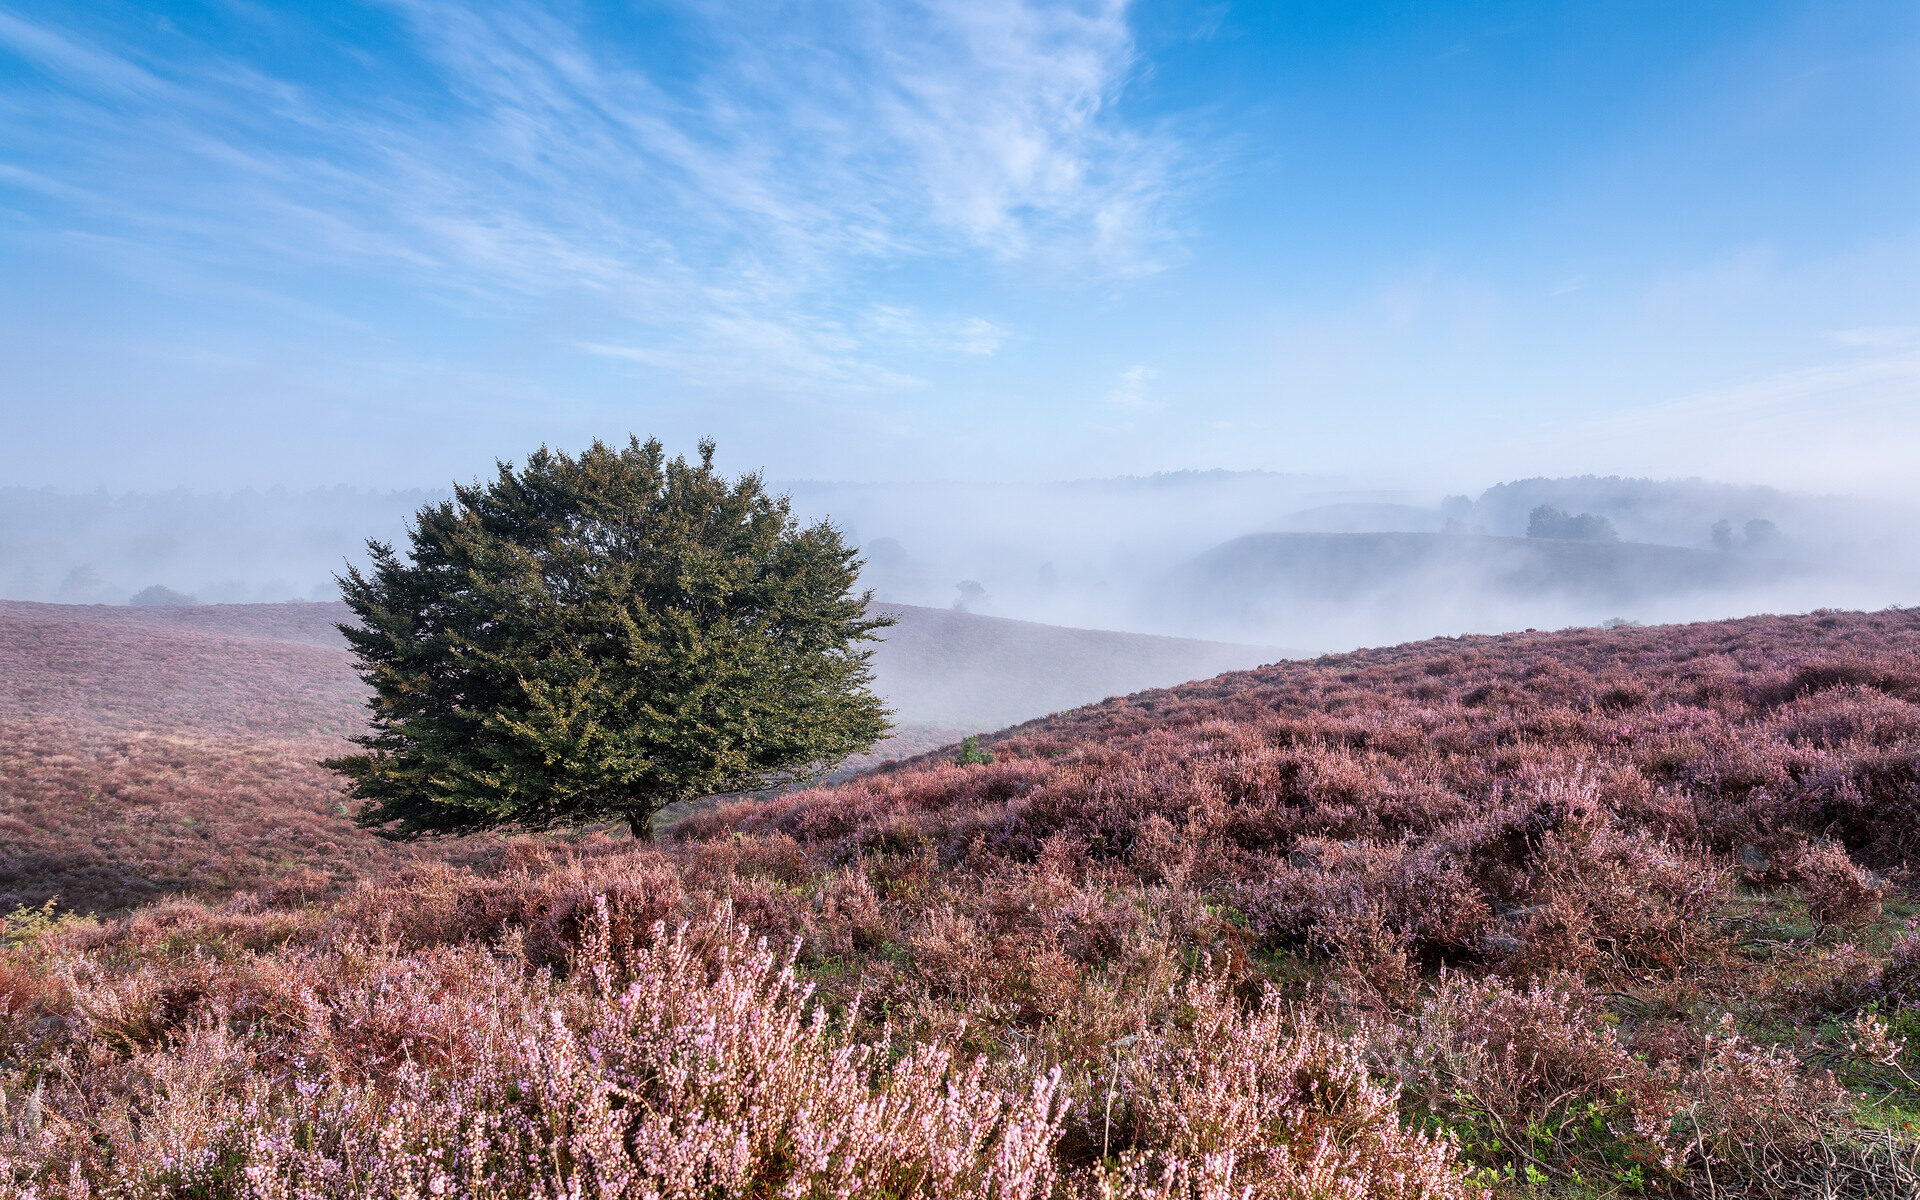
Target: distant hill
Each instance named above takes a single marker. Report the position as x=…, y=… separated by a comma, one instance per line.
x=960, y=668
x=1677, y=512
x=1272, y=580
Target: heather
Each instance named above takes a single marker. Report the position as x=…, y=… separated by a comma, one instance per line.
x=156, y=752
x=1578, y=913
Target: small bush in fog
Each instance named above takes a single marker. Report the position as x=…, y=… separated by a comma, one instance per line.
x=158, y=595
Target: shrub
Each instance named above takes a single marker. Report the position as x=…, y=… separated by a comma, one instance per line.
x=971, y=754
x=159, y=596
x=1537, y=1070
x=1835, y=887
x=1265, y=1101
x=1495, y=869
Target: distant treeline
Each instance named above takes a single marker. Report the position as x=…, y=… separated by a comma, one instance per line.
x=1672, y=512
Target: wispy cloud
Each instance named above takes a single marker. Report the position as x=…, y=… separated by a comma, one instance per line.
x=1130, y=393
x=693, y=216
x=1880, y=337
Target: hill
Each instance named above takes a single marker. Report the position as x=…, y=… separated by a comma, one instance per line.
x=147, y=751
x=1673, y=511
x=1388, y=582
x=960, y=668
x=1574, y=913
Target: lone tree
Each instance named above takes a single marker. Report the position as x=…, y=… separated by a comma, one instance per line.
x=593, y=638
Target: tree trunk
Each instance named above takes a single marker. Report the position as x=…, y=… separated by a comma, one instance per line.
x=641, y=823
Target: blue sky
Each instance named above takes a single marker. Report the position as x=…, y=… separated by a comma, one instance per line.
x=246, y=243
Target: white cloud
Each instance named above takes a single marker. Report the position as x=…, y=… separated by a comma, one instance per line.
x=1130, y=393
x=697, y=219
x=900, y=327
x=1884, y=337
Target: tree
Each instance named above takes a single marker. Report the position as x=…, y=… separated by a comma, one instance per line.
x=1591, y=527
x=972, y=595
x=594, y=638
x=1546, y=521
x=1722, y=534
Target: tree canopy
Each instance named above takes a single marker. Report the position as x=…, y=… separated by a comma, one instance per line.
x=593, y=638
x=1546, y=521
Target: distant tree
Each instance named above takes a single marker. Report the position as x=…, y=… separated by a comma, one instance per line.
x=80, y=584
x=890, y=570
x=1761, y=534
x=884, y=553
x=1546, y=521
x=1591, y=527
x=593, y=638
x=971, y=753
x=158, y=596
x=1722, y=534
x=972, y=594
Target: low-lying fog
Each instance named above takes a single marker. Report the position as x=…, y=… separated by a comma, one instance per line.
x=1303, y=562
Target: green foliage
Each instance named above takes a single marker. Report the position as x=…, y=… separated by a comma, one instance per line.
x=972, y=754
x=24, y=926
x=593, y=638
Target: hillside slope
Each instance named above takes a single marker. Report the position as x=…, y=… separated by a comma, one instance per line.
x=145, y=751
x=149, y=752
x=986, y=672
x=1584, y=913
x=935, y=667
x=1385, y=583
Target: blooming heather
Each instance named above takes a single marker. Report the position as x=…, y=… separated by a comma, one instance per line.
x=1626, y=907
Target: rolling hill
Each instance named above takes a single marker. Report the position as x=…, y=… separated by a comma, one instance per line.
x=1633, y=909
x=1274, y=580
x=148, y=751
x=959, y=668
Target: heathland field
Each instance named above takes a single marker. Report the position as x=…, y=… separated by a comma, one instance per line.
x=1587, y=913
x=173, y=750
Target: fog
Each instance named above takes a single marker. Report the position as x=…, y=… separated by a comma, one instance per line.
x=1318, y=563
x=1299, y=563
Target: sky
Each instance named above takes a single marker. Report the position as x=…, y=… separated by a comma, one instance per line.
x=247, y=243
